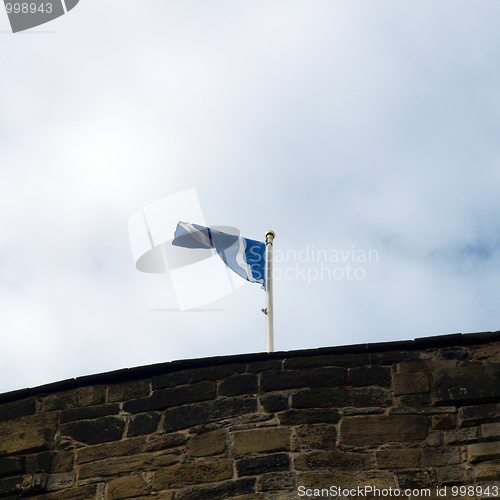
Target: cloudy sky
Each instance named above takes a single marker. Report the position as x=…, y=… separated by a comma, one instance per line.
x=346, y=126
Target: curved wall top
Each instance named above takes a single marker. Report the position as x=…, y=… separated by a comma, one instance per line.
x=408, y=419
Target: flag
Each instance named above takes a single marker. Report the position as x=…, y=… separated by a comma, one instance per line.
x=243, y=256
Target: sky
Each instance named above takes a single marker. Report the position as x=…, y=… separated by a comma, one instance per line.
x=364, y=133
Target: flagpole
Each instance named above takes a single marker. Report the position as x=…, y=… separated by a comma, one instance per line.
x=270, y=235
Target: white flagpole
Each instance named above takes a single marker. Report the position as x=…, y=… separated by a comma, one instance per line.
x=270, y=235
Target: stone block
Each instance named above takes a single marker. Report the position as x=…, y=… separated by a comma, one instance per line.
x=226, y=490
x=211, y=411
x=454, y=475
x=274, y=402
x=166, y=398
x=75, y=398
x=479, y=452
x=487, y=470
x=440, y=456
x=196, y=375
x=443, y=422
x=369, y=375
x=490, y=432
x=12, y=466
x=317, y=436
x=245, y=383
x=60, y=481
x=415, y=479
x=178, y=476
x=114, y=466
x=89, y=412
x=207, y=444
x=454, y=352
x=100, y=430
x=259, y=465
x=398, y=459
x=135, y=389
x=478, y=414
x=339, y=397
x=62, y=461
x=413, y=400
x=261, y=440
x=276, y=481
x=461, y=436
x=278, y=380
x=30, y=433
x=382, y=429
x=165, y=441
x=143, y=423
x=313, y=416
x=127, y=487
x=317, y=460
x=426, y=365
x=411, y=383
x=16, y=409
x=126, y=447
x=473, y=384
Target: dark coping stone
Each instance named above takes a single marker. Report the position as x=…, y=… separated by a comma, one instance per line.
x=89, y=412
x=259, y=465
x=165, y=398
x=316, y=416
x=100, y=430
x=469, y=416
x=17, y=409
x=467, y=385
x=239, y=384
x=274, y=402
x=340, y=397
x=218, y=372
x=211, y=411
x=227, y=489
x=143, y=423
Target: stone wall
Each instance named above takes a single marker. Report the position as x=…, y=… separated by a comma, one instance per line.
x=396, y=416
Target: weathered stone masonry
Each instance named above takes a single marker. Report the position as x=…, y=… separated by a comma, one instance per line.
x=409, y=415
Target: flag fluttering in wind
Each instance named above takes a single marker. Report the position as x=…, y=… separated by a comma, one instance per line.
x=244, y=256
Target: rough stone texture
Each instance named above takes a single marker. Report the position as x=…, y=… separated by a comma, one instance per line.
x=30, y=433
x=398, y=459
x=186, y=474
x=127, y=487
x=480, y=452
x=410, y=383
x=471, y=384
x=208, y=444
x=380, y=429
x=420, y=414
x=261, y=440
x=95, y=431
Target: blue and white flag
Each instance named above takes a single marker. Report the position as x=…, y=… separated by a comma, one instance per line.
x=243, y=256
